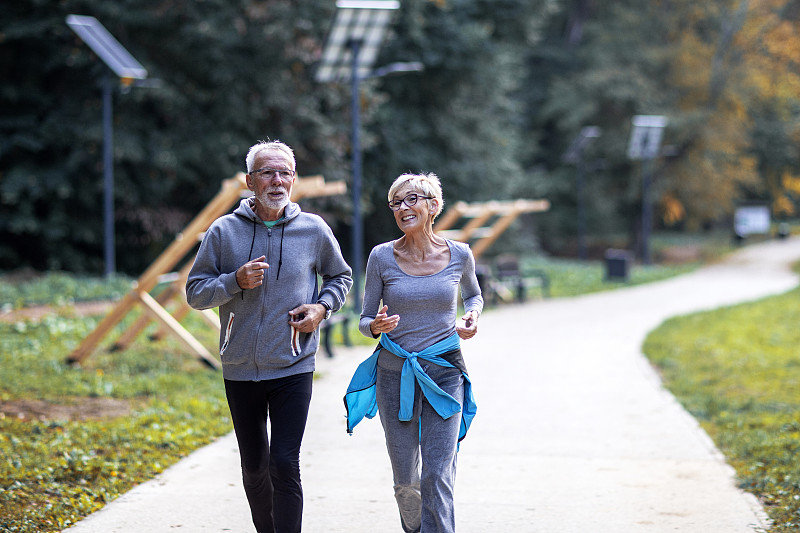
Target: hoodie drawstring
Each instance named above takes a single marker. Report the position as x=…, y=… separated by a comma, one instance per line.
x=280, y=255
x=252, y=242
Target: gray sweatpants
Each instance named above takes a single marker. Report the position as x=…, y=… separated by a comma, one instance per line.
x=425, y=500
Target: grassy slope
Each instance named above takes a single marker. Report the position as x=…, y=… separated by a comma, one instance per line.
x=737, y=370
x=54, y=472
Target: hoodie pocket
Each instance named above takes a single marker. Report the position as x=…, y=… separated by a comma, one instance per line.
x=228, y=330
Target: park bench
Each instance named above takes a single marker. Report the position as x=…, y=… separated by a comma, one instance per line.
x=507, y=283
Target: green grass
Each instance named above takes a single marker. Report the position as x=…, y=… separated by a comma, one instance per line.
x=59, y=288
x=737, y=370
x=572, y=277
x=54, y=472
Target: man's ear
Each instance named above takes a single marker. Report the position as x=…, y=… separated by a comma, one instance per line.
x=249, y=181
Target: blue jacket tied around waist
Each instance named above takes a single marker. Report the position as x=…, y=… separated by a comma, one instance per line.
x=360, y=397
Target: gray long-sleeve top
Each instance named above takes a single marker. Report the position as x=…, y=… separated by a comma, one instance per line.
x=427, y=305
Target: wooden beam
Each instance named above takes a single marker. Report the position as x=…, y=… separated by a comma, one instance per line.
x=130, y=334
x=450, y=217
x=211, y=318
x=182, y=244
x=169, y=322
x=498, y=228
x=478, y=221
x=229, y=194
x=186, y=240
x=174, y=288
x=109, y=321
x=479, y=213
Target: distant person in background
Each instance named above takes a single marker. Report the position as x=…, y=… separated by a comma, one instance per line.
x=416, y=378
x=259, y=265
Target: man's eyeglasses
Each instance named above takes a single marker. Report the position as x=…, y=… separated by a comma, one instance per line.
x=271, y=172
x=410, y=200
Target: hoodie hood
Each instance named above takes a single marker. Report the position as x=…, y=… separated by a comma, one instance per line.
x=246, y=209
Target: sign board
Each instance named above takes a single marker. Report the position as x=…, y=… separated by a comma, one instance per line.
x=646, y=136
x=750, y=220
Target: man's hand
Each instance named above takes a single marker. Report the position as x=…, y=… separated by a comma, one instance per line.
x=305, y=318
x=251, y=274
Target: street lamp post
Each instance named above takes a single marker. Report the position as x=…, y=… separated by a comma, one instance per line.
x=358, y=222
x=351, y=47
x=108, y=176
x=574, y=155
x=645, y=144
x=123, y=64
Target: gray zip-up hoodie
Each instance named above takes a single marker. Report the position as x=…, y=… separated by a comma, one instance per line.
x=255, y=335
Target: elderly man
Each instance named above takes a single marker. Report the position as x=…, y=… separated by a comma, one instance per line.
x=259, y=265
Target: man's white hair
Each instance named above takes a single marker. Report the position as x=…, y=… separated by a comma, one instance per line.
x=269, y=146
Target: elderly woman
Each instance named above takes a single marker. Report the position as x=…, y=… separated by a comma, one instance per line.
x=416, y=378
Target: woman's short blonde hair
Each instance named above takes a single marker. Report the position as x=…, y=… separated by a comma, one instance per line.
x=426, y=184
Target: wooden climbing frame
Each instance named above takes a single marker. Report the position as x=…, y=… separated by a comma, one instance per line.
x=154, y=308
x=475, y=231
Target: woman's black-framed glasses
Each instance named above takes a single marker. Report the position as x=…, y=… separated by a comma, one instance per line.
x=410, y=200
x=270, y=172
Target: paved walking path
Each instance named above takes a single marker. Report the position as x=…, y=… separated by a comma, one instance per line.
x=574, y=431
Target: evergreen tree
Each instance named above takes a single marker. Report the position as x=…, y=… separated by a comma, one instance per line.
x=507, y=85
x=231, y=73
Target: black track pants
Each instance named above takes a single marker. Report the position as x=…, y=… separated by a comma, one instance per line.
x=271, y=463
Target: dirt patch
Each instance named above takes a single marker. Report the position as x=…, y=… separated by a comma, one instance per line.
x=36, y=313
x=678, y=255
x=75, y=409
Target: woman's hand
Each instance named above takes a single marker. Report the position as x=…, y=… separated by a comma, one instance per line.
x=383, y=323
x=467, y=327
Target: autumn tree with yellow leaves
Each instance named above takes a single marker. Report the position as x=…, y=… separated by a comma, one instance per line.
x=737, y=66
x=724, y=72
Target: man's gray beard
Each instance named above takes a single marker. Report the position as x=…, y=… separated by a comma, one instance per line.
x=269, y=203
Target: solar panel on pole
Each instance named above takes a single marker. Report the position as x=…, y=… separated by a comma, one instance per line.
x=645, y=144
x=107, y=48
x=350, y=50
x=125, y=66
x=362, y=21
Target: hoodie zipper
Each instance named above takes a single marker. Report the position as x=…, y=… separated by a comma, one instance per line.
x=264, y=298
